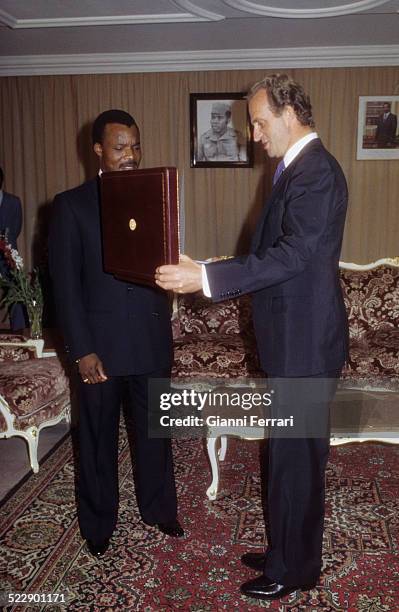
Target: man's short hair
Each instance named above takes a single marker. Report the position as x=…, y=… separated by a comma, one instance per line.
x=283, y=91
x=110, y=116
x=1, y=177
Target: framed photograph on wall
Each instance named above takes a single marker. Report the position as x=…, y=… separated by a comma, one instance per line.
x=378, y=127
x=220, y=131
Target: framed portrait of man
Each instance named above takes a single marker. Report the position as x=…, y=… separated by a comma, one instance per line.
x=378, y=127
x=220, y=131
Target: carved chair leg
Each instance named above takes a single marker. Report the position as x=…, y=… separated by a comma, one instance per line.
x=213, y=488
x=223, y=448
x=32, y=439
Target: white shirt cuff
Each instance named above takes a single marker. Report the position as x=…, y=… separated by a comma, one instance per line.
x=205, y=285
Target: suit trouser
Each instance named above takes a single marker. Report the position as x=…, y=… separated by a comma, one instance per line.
x=295, y=468
x=98, y=492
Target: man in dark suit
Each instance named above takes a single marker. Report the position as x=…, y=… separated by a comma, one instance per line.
x=118, y=333
x=386, y=127
x=10, y=226
x=300, y=324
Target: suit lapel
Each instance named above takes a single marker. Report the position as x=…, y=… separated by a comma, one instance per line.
x=93, y=189
x=277, y=194
x=271, y=200
x=94, y=210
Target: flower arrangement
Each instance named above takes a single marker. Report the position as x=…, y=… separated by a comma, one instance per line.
x=20, y=286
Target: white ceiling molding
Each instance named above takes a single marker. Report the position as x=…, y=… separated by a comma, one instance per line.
x=192, y=16
x=177, y=61
x=349, y=8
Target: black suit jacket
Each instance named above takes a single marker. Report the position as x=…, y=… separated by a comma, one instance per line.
x=292, y=269
x=127, y=325
x=11, y=217
x=386, y=129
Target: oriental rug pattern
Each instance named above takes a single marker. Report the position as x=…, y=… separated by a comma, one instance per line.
x=42, y=551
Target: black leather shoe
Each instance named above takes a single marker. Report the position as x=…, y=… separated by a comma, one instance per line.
x=264, y=588
x=254, y=560
x=172, y=529
x=97, y=549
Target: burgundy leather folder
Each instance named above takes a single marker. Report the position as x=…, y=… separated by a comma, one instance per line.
x=140, y=222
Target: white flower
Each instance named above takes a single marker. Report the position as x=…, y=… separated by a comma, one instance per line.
x=16, y=257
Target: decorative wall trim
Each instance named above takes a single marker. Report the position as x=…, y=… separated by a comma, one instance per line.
x=194, y=14
x=177, y=61
x=7, y=19
x=193, y=9
x=348, y=8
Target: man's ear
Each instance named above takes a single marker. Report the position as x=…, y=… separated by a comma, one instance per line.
x=289, y=114
x=98, y=150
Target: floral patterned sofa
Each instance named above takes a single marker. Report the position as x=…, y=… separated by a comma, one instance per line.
x=371, y=294
x=216, y=341
x=215, y=345
x=34, y=391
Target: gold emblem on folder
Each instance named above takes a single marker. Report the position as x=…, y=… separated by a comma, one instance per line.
x=132, y=224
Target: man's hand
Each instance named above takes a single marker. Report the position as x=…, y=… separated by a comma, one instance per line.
x=91, y=369
x=186, y=277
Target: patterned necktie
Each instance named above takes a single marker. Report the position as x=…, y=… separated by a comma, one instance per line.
x=279, y=171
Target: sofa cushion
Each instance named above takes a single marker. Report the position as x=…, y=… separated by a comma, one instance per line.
x=371, y=298
x=372, y=303
x=34, y=390
x=215, y=356
x=197, y=314
x=374, y=360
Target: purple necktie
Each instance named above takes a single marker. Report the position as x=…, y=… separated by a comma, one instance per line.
x=279, y=171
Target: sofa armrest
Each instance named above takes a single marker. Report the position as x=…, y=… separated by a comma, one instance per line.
x=21, y=350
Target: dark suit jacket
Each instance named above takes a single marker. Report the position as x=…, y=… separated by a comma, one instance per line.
x=292, y=269
x=11, y=217
x=127, y=325
x=386, y=129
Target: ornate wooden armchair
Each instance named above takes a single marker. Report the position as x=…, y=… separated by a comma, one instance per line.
x=34, y=391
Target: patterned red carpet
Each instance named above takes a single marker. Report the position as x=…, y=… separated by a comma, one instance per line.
x=42, y=551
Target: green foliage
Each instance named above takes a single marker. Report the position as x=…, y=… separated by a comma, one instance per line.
x=21, y=287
